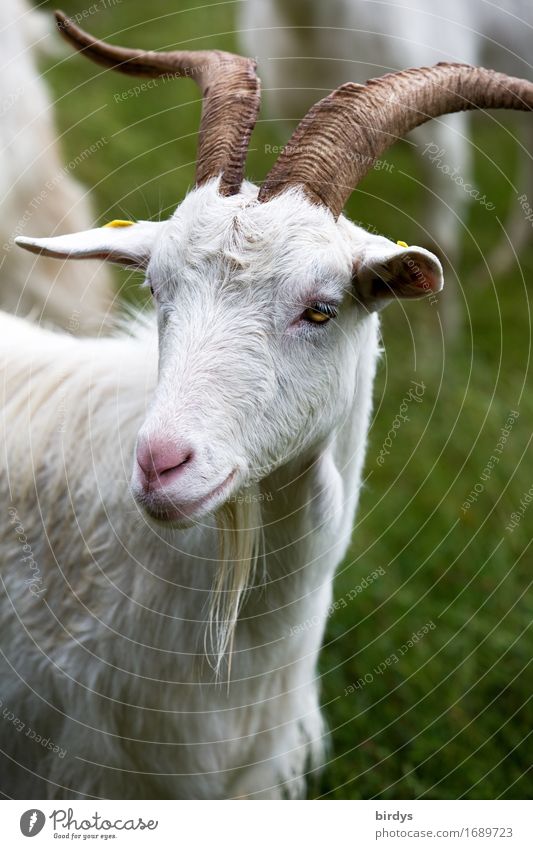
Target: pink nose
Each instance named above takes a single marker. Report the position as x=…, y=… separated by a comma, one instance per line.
x=161, y=462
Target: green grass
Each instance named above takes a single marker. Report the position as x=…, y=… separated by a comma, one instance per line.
x=451, y=717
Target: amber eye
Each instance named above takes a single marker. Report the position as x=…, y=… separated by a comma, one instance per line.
x=319, y=313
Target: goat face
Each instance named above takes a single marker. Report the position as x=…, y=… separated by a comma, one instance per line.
x=264, y=311
x=255, y=319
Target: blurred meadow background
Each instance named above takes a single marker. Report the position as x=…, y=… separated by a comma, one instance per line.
x=451, y=716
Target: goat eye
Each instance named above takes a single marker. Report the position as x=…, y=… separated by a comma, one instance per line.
x=319, y=313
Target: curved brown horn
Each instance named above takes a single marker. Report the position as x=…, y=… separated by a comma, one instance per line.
x=229, y=85
x=341, y=137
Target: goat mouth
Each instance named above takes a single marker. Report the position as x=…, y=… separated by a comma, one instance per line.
x=181, y=512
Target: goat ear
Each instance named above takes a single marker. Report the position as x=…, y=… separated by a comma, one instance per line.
x=123, y=242
x=386, y=271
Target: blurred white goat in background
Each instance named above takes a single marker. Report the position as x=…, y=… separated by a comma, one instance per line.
x=37, y=190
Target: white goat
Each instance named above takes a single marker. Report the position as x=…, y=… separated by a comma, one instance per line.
x=152, y=642
x=307, y=47
x=37, y=189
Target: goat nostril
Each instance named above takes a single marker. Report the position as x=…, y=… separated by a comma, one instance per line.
x=162, y=460
x=182, y=462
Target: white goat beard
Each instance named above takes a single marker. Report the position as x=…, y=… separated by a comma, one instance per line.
x=240, y=540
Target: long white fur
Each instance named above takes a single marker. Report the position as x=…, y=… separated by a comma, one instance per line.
x=72, y=297
x=118, y=649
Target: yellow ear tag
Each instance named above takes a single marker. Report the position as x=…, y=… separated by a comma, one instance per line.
x=402, y=244
x=119, y=223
